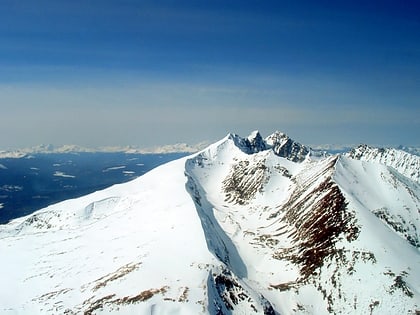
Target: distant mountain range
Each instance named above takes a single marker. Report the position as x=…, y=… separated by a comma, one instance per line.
x=48, y=149
x=245, y=226
x=170, y=148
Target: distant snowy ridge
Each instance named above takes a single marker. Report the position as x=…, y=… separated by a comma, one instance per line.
x=47, y=149
x=245, y=226
x=404, y=162
x=410, y=149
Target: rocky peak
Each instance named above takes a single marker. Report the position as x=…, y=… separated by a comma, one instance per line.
x=254, y=143
x=284, y=146
x=281, y=144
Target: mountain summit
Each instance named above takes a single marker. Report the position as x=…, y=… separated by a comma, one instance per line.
x=246, y=226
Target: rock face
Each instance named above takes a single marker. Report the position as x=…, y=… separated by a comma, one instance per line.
x=246, y=226
x=278, y=142
x=284, y=146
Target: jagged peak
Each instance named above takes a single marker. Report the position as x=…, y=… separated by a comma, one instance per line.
x=254, y=134
x=280, y=143
x=256, y=141
x=277, y=136
x=286, y=147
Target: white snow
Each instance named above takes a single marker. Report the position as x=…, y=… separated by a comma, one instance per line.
x=212, y=230
x=63, y=254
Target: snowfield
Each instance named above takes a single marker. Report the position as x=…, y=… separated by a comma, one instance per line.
x=246, y=226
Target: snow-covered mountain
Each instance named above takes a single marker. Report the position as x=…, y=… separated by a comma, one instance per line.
x=51, y=149
x=246, y=226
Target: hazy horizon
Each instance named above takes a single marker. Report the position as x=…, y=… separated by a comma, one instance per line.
x=175, y=147
x=149, y=73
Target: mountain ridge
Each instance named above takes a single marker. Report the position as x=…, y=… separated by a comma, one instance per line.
x=178, y=147
x=249, y=225
x=404, y=162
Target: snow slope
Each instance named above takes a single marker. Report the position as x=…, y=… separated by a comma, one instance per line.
x=246, y=226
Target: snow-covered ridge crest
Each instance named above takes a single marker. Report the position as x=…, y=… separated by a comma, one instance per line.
x=245, y=226
x=405, y=163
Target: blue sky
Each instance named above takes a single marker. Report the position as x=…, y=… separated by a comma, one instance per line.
x=158, y=72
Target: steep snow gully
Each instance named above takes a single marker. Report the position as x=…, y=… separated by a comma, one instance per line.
x=245, y=226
